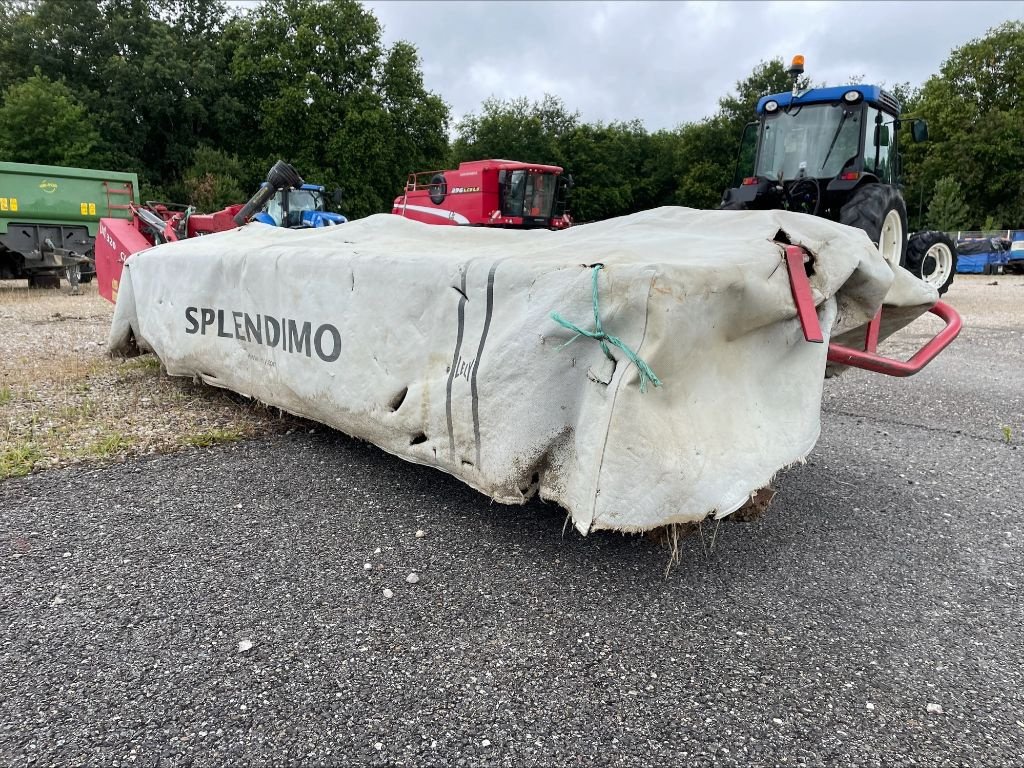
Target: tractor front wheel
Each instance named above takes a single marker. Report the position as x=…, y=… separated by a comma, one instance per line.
x=931, y=256
x=879, y=210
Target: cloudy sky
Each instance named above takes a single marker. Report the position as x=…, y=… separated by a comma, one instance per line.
x=669, y=62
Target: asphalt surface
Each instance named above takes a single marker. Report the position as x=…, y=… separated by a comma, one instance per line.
x=886, y=577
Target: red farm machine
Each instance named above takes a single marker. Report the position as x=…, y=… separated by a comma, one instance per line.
x=283, y=200
x=489, y=193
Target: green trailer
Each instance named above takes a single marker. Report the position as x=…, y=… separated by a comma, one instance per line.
x=49, y=217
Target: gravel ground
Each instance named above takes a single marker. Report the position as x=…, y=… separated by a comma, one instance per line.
x=213, y=607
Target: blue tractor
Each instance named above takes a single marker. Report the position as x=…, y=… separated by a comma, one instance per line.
x=301, y=206
x=285, y=200
x=834, y=152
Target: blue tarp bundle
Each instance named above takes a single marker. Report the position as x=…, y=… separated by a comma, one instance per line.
x=973, y=256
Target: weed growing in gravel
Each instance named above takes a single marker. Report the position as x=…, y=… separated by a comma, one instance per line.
x=109, y=445
x=18, y=460
x=1007, y=434
x=5, y=395
x=143, y=363
x=214, y=436
x=76, y=412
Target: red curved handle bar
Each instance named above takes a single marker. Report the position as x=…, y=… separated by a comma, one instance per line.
x=860, y=358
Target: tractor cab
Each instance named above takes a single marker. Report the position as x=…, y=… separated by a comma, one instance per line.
x=298, y=207
x=809, y=149
x=834, y=152
x=534, y=196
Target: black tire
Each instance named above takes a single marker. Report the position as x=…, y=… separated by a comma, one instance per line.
x=868, y=208
x=932, y=257
x=438, y=188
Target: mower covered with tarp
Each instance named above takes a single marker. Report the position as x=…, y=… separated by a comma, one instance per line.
x=642, y=371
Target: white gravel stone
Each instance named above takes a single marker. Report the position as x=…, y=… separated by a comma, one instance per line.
x=935, y=709
x=412, y=578
x=420, y=533
x=244, y=645
x=388, y=593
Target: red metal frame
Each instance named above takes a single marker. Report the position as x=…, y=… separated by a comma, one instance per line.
x=870, y=361
x=801, y=287
x=866, y=358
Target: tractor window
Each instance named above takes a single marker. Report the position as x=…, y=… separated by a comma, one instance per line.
x=275, y=209
x=818, y=141
x=540, y=198
x=516, y=194
x=879, y=135
x=530, y=194
x=746, y=155
x=304, y=200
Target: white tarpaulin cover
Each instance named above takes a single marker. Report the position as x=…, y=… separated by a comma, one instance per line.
x=437, y=344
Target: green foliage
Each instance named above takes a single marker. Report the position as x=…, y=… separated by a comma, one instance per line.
x=332, y=100
x=42, y=122
x=516, y=130
x=947, y=211
x=200, y=98
x=214, y=180
x=975, y=117
x=620, y=168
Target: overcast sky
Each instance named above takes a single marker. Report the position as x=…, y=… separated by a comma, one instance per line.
x=669, y=62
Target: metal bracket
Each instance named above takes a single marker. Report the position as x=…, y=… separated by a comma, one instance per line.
x=866, y=358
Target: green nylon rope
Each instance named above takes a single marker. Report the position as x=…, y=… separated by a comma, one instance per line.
x=599, y=334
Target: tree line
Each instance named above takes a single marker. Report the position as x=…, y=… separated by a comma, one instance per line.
x=199, y=99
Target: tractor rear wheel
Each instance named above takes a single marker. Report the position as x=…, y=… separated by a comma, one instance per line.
x=931, y=256
x=879, y=210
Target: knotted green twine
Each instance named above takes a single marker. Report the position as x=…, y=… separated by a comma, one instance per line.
x=599, y=334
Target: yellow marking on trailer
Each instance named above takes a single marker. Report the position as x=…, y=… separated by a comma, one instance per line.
x=14, y=203
x=48, y=186
x=92, y=209
x=3, y=203
x=84, y=208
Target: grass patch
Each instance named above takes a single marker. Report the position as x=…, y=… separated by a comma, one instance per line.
x=143, y=363
x=19, y=460
x=5, y=395
x=108, y=445
x=213, y=437
x=77, y=412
